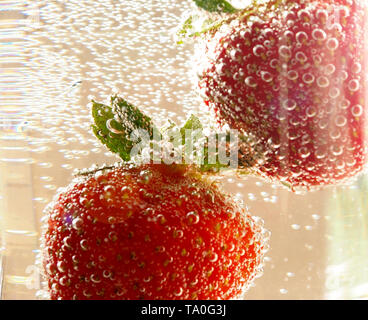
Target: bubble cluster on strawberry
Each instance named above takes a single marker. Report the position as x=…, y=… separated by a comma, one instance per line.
x=292, y=75
x=149, y=232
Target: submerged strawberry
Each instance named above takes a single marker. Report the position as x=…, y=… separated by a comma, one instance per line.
x=292, y=76
x=149, y=232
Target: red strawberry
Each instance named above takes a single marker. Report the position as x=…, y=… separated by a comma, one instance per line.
x=149, y=232
x=292, y=75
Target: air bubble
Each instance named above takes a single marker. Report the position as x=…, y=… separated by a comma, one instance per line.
x=235, y=54
x=245, y=34
x=357, y=67
x=274, y=63
x=111, y=128
x=250, y=81
x=86, y=293
x=285, y=52
x=301, y=37
x=320, y=154
x=337, y=150
x=214, y=257
x=301, y=57
x=84, y=244
x=308, y=78
x=304, y=152
x=111, y=220
x=266, y=76
x=95, y=278
x=334, y=93
x=357, y=110
x=178, y=233
x=220, y=69
x=332, y=44
x=145, y=176
x=289, y=104
x=304, y=15
x=192, y=217
x=289, y=36
x=354, y=85
x=293, y=75
x=109, y=192
x=160, y=249
x=294, y=121
x=344, y=11
x=344, y=104
x=106, y=274
x=179, y=292
x=64, y=281
x=66, y=241
x=113, y=236
x=311, y=111
x=340, y=121
x=340, y=164
x=336, y=27
x=322, y=124
x=330, y=69
x=77, y=223
x=322, y=15
x=75, y=259
x=61, y=266
x=323, y=82
x=319, y=35
x=344, y=75
x=316, y=58
x=335, y=134
x=258, y=50
x=351, y=162
x=268, y=44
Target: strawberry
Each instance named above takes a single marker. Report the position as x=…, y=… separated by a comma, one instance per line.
x=147, y=231
x=151, y=231
x=291, y=75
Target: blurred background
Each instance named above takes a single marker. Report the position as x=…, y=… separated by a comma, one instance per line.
x=55, y=56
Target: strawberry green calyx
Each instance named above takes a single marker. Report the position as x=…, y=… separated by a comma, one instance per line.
x=121, y=127
x=216, y=6
x=199, y=24
x=222, y=6
x=114, y=124
x=188, y=30
x=207, y=165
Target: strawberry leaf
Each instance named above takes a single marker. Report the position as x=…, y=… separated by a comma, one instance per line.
x=208, y=162
x=199, y=24
x=216, y=6
x=196, y=25
x=113, y=125
x=193, y=123
x=185, y=29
